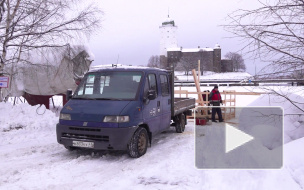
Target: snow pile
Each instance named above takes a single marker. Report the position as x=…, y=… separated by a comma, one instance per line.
x=19, y=124
x=294, y=117
x=291, y=176
x=294, y=159
x=24, y=117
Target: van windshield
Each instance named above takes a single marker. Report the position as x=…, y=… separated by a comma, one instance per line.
x=109, y=86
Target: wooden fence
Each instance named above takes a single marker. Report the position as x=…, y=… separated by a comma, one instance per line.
x=202, y=111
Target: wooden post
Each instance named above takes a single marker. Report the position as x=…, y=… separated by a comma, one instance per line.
x=198, y=88
x=180, y=90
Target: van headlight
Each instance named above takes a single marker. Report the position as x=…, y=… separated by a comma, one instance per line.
x=116, y=119
x=65, y=116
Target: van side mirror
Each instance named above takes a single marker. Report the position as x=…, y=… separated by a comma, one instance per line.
x=68, y=94
x=151, y=94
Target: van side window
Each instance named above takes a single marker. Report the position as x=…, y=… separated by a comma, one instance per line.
x=150, y=84
x=164, y=85
x=152, y=81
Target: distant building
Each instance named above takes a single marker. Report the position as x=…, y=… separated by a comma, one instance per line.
x=168, y=36
x=210, y=58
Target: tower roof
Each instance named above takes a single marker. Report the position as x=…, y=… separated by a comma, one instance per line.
x=169, y=21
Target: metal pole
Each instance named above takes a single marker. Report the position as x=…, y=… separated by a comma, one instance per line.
x=255, y=70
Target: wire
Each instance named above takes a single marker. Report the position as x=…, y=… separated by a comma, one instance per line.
x=40, y=107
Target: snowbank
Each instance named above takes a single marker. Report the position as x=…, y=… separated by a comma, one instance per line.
x=294, y=117
x=24, y=117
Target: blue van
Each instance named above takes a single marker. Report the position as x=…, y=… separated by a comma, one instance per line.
x=121, y=109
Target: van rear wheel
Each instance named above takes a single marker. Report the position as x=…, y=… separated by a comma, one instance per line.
x=180, y=123
x=139, y=143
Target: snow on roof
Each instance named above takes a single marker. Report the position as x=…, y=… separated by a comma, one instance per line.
x=168, y=19
x=189, y=49
x=196, y=49
x=87, y=49
x=174, y=49
x=207, y=49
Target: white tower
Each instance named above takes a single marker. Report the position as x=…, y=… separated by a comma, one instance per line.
x=168, y=36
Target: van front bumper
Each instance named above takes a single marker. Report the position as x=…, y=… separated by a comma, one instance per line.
x=103, y=138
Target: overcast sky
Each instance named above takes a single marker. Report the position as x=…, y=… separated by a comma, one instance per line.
x=130, y=28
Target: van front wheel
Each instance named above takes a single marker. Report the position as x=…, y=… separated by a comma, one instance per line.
x=139, y=143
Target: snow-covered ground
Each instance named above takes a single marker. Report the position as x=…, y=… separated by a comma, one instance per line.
x=215, y=76
x=31, y=158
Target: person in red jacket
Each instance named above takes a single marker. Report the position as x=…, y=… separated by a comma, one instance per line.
x=216, y=99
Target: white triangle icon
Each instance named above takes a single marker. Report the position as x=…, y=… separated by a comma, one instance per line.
x=235, y=138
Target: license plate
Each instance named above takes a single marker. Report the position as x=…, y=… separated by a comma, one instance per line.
x=83, y=144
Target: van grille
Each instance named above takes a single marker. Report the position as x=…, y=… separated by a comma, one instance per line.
x=84, y=129
x=86, y=137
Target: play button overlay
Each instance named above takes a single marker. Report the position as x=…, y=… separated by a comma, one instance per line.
x=235, y=138
x=250, y=138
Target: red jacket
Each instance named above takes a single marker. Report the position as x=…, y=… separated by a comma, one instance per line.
x=215, y=96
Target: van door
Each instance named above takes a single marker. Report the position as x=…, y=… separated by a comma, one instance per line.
x=151, y=108
x=165, y=101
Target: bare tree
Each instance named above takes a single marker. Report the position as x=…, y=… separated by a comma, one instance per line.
x=164, y=62
x=187, y=63
x=32, y=24
x=237, y=61
x=226, y=65
x=158, y=62
x=273, y=33
x=154, y=61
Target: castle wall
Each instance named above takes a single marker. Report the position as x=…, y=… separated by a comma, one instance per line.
x=209, y=60
x=217, y=60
